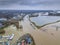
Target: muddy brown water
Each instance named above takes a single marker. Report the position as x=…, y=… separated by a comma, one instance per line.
x=48, y=37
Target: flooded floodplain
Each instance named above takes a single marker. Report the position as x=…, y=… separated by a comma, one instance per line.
x=46, y=35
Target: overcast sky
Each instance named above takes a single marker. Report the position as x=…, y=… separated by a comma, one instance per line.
x=30, y=4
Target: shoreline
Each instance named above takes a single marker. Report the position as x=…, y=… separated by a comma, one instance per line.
x=44, y=24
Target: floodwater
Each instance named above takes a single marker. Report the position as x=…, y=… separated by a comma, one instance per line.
x=41, y=20
x=48, y=37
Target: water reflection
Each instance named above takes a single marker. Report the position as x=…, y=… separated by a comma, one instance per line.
x=41, y=20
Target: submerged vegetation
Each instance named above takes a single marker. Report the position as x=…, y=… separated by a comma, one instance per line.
x=44, y=24
x=35, y=25
x=2, y=31
x=6, y=24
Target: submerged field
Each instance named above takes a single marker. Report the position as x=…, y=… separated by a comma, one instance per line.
x=41, y=21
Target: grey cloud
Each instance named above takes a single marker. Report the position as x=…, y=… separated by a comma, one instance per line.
x=28, y=2
x=7, y=2
x=39, y=2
